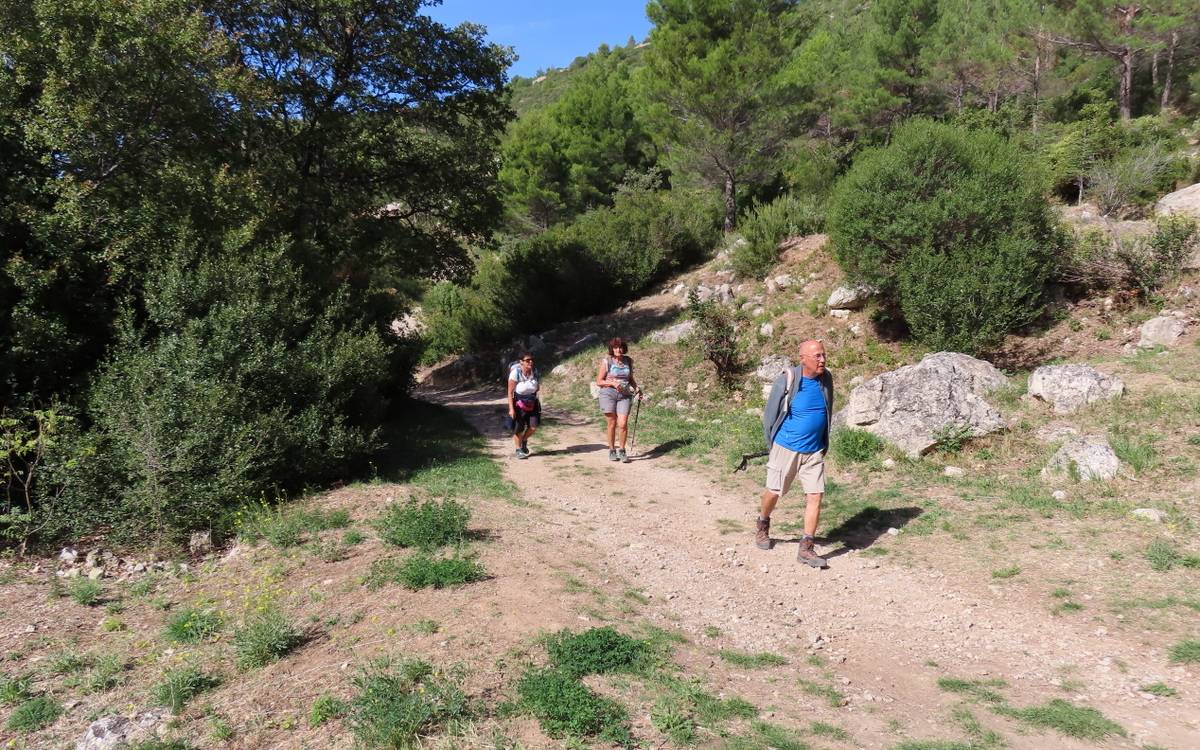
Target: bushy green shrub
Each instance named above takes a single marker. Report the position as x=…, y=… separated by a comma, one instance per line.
x=566, y=707
x=238, y=381
x=1134, y=177
x=178, y=686
x=265, y=637
x=426, y=525
x=34, y=714
x=595, y=651
x=767, y=225
x=855, y=446
x=1097, y=260
x=952, y=227
x=325, y=708
x=398, y=704
x=420, y=571
x=193, y=625
x=85, y=591
x=716, y=337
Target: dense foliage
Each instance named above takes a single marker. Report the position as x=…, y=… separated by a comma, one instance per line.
x=952, y=227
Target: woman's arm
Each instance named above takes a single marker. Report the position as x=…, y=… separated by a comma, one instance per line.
x=512, y=388
x=601, y=379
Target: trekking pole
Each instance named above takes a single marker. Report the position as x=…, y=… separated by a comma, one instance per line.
x=637, y=410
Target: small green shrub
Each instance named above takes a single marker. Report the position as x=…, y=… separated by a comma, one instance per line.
x=85, y=591
x=674, y=720
x=1160, y=689
x=751, y=661
x=286, y=526
x=179, y=686
x=34, y=714
x=1186, y=652
x=952, y=437
x=69, y=662
x=326, y=708
x=855, y=446
x=1066, y=718
x=715, y=337
x=107, y=673
x=14, y=690
x=397, y=705
x=595, y=651
x=353, y=537
x=922, y=221
x=766, y=226
x=1009, y=572
x=1096, y=260
x=564, y=707
x=193, y=625
x=265, y=637
x=426, y=525
x=420, y=571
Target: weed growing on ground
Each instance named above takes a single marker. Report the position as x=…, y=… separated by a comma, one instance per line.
x=326, y=708
x=1008, y=572
x=85, y=591
x=14, y=690
x=981, y=737
x=936, y=745
x=427, y=525
x=353, y=537
x=193, y=625
x=751, y=661
x=952, y=437
x=1162, y=557
x=674, y=720
x=596, y=651
x=420, y=571
x=157, y=744
x=1186, y=652
x=328, y=551
x=566, y=708
x=69, y=662
x=975, y=689
x=398, y=703
x=828, y=693
x=425, y=627
x=108, y=673
x=1066, y=718
x=1160, y=689
x=265, y=637
x=34, y=714
x=855, y=446
x=219, y=728
x=712, y=631
x=287, y=526
x=821, y=729
x=764, y=736
x=1067, y=607
x=1136, y=451
x=179, y=686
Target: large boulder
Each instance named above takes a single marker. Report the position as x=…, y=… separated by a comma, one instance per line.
x=849, y=297
x=911, y=405
x=1068, y=388
x=771, y=366
x=1090, y=455
x=674, y=334
x=113, y=732
x=1163, y=330
x=1185, y=202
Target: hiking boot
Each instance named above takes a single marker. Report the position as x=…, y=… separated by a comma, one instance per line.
x=525, y=448
x=621, y=455
x=762, y=536
x=519, y=453
x=612, y=455
x=807, y=554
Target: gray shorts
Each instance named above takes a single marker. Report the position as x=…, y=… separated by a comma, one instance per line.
x=611, y=401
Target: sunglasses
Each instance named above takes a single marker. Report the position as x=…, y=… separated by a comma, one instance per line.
x=527, y=360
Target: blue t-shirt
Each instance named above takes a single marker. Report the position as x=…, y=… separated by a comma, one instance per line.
x=803, y=429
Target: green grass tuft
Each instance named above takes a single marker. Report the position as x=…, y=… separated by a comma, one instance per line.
x=1008, y=572
x=1160, y=689
x=179, y=686
x=821, y=729
x=14, y=690
x=400, y=703
x=1186, y=652
x=1066, y=718
x=287, y=526
x=420, y=571
x=976, y=689
x=265, y=637
x=34, y=714
x=193, y=625
x=751, y=661
x=855, y=446
x=596, y=651
x=427, y=525
x=85, y=591
x=828, y=693
x=564, y=707
x=326, y=708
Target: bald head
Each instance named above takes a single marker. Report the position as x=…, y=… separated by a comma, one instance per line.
x=812, y=358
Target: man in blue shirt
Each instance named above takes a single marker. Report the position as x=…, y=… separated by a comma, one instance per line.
x=796, y=424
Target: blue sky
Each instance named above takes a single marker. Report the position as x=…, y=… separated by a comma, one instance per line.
x=549, y=34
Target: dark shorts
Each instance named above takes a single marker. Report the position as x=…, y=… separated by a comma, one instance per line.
x=526, y=419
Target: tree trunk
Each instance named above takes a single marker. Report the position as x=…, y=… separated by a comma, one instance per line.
x=1125, y=95
x=730, y=203
x=1166, y=92
x=1154, y=70
x=1037, y=84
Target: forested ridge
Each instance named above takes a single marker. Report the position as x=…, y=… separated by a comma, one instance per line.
x=212, y=212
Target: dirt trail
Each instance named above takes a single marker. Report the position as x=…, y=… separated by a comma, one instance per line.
x=887, y=632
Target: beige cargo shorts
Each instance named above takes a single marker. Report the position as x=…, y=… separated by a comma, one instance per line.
x=784, y=466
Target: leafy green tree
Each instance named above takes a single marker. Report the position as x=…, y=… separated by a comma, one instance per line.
x=718, y=96
x=571, y=155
